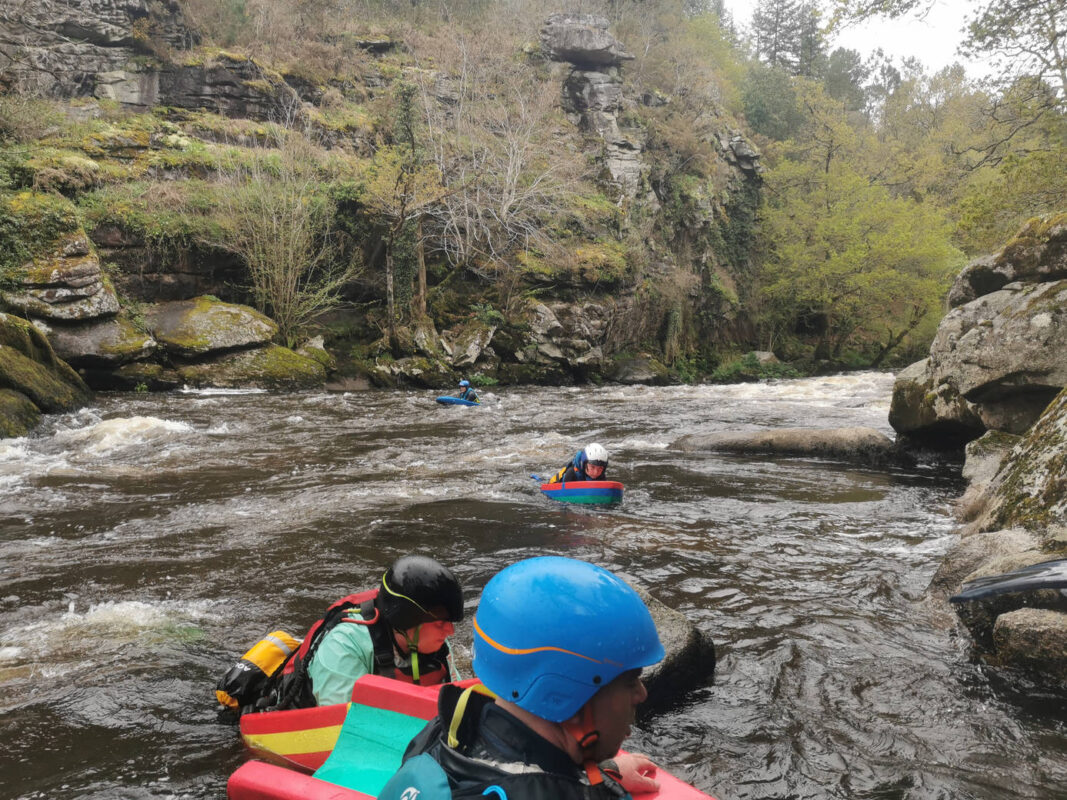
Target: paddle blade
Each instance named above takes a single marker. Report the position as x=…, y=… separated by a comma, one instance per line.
x=1046, y=575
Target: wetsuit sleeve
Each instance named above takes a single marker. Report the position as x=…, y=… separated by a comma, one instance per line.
x=344, y=655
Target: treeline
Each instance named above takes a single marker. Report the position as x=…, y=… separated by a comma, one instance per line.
x=883, y=178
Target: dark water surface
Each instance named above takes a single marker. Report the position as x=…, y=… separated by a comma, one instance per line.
x=146, y=542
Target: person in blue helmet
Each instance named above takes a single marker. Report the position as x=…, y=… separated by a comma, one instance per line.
x=468, y=392
x=561, y=688
x=589, y=464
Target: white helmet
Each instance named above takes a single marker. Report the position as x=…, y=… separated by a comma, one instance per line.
x=596, y=454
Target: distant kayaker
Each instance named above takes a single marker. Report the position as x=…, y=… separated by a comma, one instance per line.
x=590, y=464
x=399, y=630
x=468, y=392
x=560, y=645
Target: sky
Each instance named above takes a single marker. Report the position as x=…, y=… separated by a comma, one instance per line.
x=933, y=40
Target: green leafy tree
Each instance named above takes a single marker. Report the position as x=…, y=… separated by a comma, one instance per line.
x=845, y=258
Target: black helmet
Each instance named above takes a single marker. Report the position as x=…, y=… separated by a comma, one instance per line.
x=414, y=588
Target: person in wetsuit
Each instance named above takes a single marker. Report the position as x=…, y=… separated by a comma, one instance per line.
x=468, y=392
x=560, y=693
x=399, y=630
x=590, y=464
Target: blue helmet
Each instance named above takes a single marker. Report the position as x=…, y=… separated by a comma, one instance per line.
x=464, y=383
x=551, y=631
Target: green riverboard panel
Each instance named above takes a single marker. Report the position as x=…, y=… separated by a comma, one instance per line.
x=369, y=748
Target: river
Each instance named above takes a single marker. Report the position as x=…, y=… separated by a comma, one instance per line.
x=147, y=541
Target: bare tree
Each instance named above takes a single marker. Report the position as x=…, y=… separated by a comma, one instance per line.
x=279, y=220
x=489, y=127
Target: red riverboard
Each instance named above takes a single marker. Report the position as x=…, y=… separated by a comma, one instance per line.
x=299, y=748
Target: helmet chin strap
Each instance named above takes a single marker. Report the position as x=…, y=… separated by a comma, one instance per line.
x=413, y=651
x=584, y=732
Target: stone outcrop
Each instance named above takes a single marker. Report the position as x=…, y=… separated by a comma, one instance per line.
x=999, y=357
x=61, y=278
x=582, y=40
x=1018, y=517
x=561, y=343
x=99, y=343
x=32, y=378
x=866, y=445
x=132, y=52
x=58, y=47
x=592, y=92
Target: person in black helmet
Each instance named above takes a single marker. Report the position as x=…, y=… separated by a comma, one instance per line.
x=399, y=630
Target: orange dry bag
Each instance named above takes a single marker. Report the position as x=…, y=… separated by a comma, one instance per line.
x=245, y=681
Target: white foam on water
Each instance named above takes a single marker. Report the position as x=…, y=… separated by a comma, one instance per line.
x=115, y=434
x=102, y=626
x=634, y=443
x=216, y=392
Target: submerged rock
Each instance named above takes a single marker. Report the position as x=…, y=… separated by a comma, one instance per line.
x=852, y=444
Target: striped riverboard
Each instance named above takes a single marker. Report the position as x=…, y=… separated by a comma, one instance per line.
x=589, y=493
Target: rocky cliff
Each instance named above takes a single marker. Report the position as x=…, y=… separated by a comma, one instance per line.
x=651, y=270
x=995, y=378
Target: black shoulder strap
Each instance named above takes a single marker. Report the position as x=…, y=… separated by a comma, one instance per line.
x=380, y=637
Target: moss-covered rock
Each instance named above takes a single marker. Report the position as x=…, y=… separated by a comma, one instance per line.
x=315, y=349
x=270, y=367
x=29, y=366
x=1030, y=491
x=934, y=414
x=1038, y=252
x=31, y=223
x=110, y=341
x=18, y=414
x=643, y=369
x=191, y=328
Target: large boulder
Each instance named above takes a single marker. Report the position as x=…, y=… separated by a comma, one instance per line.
x=999, y=355
x=1006, y=352
x=689, y=658
x=110, y=341
x=271, y=367
x=192, y=328
x=582, y=40
x=32, y=373
x=1035, y=638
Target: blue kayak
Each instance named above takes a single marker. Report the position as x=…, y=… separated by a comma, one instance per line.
x=448, y=400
